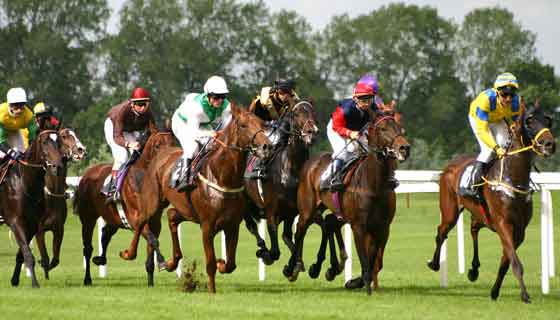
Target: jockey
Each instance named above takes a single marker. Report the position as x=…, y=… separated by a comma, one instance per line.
x=44, y=115
x=270, y=106
x=193, y=122
x=343, y=130
x=489, y=116
x=15, y=117
x=125, y=124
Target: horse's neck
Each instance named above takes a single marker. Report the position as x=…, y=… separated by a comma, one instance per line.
x=516, y=167
x=374, y=169
x=295, y=153
x=225, y=164
x=31, y=174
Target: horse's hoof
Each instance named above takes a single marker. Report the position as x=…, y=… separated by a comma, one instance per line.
x=47, y=275
x=221, y=264
x=15, y=283
x=369, y=291
x=171, y=265
x=54, y=264
x=287, y=271
x=87, y=282
x=293, y=277
x=126, y=255
x=525, y=298
x=314, y=271
x=100, y=260
x=473, y=275
x=433, y=265
x=330, y=274
x=356, y=283
x=162, y=266
x=494, y=294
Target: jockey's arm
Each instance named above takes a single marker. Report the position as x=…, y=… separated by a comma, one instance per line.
x=339, y=123
x=253, y=105
x=32, y=129
x=481, y=114
x=118, y=136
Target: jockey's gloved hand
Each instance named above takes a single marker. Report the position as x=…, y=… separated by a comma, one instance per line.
x=354, y=135
x=15, y=154
x=500, y=152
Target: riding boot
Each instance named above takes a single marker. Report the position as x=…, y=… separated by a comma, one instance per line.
x=110, y=189
x=336, y=178
x=475, y=179
x=186, y=181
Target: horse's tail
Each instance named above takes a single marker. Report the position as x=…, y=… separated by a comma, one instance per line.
x=76, y=200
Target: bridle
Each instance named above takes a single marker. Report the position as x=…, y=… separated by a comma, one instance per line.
x=388, y=150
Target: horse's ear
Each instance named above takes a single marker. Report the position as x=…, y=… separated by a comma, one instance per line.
x=167, y=124
x=235, y=110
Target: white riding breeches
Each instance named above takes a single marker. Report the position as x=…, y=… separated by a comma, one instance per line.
x=342, y=146
x=499, y=131
x=188, y=137
x=120, y=153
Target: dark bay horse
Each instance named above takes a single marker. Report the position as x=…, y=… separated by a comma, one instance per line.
x=55, y=209
x=22, y=194
x=277, y=195
x=218, y=202
x=367, y=203
x=508, y=205
x=90, y=204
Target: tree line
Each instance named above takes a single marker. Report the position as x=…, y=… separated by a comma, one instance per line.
x=61, y=52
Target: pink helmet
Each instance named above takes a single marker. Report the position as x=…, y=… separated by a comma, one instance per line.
x=363, y=89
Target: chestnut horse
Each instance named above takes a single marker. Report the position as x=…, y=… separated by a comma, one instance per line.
x=90, y=204
x=507, y=206
x=22, y=195
x=218, y=202
x=367, y=203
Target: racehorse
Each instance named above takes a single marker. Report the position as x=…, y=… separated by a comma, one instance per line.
x=507, y=206
x=55, y=209
x=90, y=204
x=22, y=194
x=218, y=202
x=368, y=203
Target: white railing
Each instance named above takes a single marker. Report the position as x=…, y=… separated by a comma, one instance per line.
x=427, y=181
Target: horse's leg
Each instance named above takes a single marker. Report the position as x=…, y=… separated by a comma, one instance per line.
x=44, y=262
x=381, y=242
x=107, y=234
x=341, y=248
x=475, y=264
x=87, y=235
x=23, y=240
x=130, y=252
x=251, y=225
x=449, y=214
x=58, y=235
x=315, y=268
x=154, y=243
x=232, y=237
x=17, y=269
x=333, y=230
x=270, y=213
x=506, y=231
x=173, y=221
x=362, y=243
x=155, y=227
x=287, y=235
x=208, y=242
x=295, y=264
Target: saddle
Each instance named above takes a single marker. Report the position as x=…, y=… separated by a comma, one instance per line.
x=350, y=165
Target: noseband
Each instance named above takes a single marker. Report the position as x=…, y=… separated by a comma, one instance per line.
x=388, y=150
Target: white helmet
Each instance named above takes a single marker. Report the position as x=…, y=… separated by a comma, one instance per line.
x=216, y=85
x=16, y=95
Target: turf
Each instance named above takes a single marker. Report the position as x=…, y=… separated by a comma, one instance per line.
x=408, y=289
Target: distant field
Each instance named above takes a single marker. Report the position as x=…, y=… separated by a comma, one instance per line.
x=409, y=290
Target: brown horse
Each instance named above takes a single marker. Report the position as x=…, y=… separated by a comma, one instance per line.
x=277, y=195
x=507, y=206
x=368, y=203
x=90, y=204
x=22, y=196
x=55, y=207
x=218, y=202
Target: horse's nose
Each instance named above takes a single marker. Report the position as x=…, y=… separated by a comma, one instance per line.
x=405, y=149
x=550, y=145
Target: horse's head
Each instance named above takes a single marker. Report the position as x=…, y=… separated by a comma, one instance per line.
x=45, y=150
x=386, y=134
x=72, y=147
x=535, y=126
x=250, y=132
x=304, y=121
x=156, y=141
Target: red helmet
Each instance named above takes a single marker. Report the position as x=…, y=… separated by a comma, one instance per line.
x=139, y=94
x=363, y=89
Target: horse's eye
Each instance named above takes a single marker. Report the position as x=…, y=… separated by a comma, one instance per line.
x=243, y=126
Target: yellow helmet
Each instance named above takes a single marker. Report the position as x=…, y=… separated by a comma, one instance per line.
x=506, y=79
x=41, y=109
